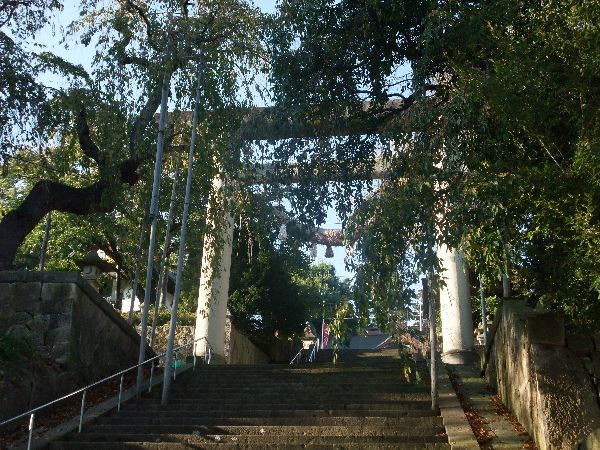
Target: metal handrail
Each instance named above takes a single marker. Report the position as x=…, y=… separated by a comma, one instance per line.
x=296, y=358
x=312, y=355
x=31, y=413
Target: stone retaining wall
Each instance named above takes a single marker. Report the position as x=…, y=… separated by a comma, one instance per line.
x=239, y=349
x=541, y=377
x=243, y=351
x=76, y=337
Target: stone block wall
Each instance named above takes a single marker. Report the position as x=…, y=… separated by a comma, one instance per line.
x=238, y=348
x=243, y=351
x=76, y=337
x=184, y=334
x=540, y=375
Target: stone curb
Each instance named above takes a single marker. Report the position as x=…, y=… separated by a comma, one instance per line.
x=42, y=440
x=458, y=429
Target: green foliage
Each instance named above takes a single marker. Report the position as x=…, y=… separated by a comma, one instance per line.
x=339, y=330
x=497, y=151
x=185, y=316
x=13, y=352
x=273, y=288
x=492, y=303
x=264, y=299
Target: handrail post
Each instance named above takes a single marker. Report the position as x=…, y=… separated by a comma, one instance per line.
x=483, y=312
x=31, y=418
x=82, y=410
x=175, y=367
x=120, y=392
x=194, y=352
x=151, y=375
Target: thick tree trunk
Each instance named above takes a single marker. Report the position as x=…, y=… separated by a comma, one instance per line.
x=45, y=196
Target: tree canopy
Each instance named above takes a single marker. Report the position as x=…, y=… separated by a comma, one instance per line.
x=494, y=149
x=486, y=114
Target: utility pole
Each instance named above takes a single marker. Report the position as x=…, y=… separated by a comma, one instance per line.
x=136, y=276
x=184, y=221
x=162, y=279
x=153, y=215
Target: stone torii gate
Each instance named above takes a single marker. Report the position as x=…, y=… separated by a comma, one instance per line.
x=267, y=124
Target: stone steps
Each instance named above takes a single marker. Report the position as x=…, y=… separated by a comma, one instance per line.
x=187, y=418
x=262, y=439
x=288, y=388
x=241, y=446
x=326, y=406
x=409, y=426
x=309, y=397
x=352, y=405
x=271, y=413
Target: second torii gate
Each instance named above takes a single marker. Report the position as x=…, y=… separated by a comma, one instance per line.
x=263, y=123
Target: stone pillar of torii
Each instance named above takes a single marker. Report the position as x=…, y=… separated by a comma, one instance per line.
x=455, y=307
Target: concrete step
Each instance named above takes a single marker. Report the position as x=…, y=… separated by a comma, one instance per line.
x=408, y=426
x=302, y=371
x=306, y=405
x=316, y=386
x=305, y=371
x=284, y=385
x=265, y=413
x=189, y=418
x=388, y=372
x=292, y=394
x=312, y=399
x=259, y=439
x=240, y=446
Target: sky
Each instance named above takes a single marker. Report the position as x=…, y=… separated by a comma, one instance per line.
x=49, y=39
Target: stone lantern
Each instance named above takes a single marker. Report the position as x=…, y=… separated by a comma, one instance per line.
x=92, y=266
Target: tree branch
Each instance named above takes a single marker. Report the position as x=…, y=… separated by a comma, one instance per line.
x=143, y=119
x=44, y=197
x=89, y=148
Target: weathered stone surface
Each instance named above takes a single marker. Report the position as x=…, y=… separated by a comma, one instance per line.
x=67, y=321
x=592, y=442
x=20, y=331
x=57, y=334
x=57, y=305
x=39, y=324
x=22, y=317
x=596, y=341
x=243, y=351
x=546, y=328
x=588, y=364
x=580, y=344
x=57, y=293
x=596, y=364
x=564, y=394
x=21, y=296
x=546, y=386
x=61, y=352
